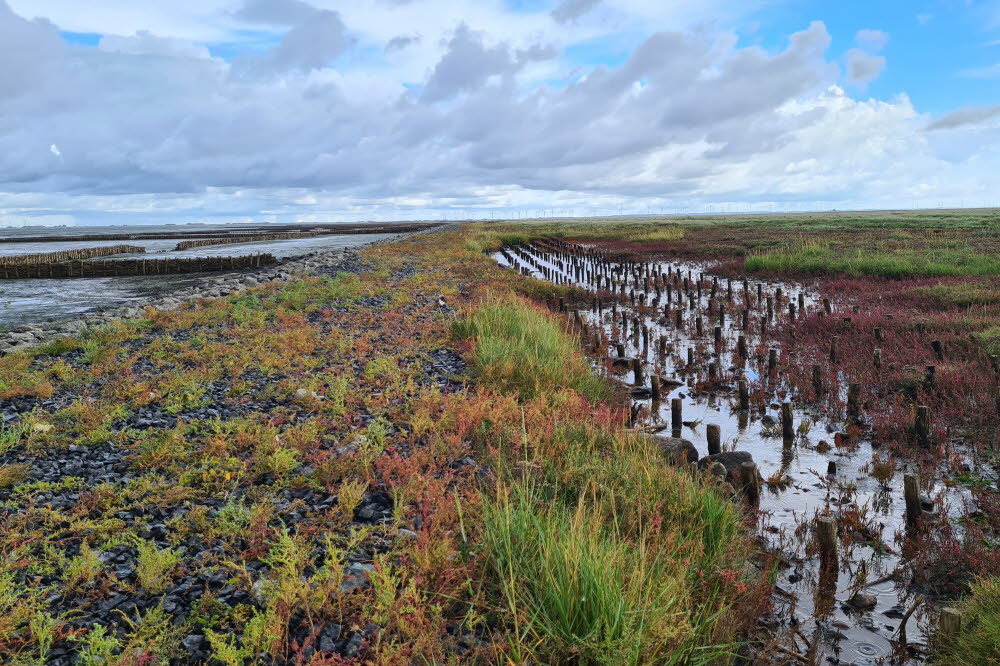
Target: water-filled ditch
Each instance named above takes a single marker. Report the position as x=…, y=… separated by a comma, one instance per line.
x=684, y=326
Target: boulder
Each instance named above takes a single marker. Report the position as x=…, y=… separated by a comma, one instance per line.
x=731, y=460
x=676, y=449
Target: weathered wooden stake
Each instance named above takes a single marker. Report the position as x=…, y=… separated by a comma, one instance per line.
x=817, y=377
x=853, y=399
x=714, y=439
x=950, y=623
x=922, y=425
x=911, y=493
x=676, y=407
x=654, y=382
x=744, y=391
x=751, y=482
x=787, y=424
x=826, y=535
x=637, y=371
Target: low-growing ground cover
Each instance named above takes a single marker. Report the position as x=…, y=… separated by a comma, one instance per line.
x=404, y=461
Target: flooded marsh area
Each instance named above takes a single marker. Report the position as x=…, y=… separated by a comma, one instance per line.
x=725, y=361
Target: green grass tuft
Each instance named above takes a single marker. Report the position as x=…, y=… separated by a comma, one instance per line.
x=519, y=348
x=978, y=644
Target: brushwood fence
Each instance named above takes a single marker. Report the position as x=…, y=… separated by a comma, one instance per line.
x=331, y=229
x=133, y=267
x=231, y=240
x=70, y=255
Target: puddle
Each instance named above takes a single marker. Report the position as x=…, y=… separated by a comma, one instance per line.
x=854, y=636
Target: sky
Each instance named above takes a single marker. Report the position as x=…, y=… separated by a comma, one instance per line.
x=144, y=111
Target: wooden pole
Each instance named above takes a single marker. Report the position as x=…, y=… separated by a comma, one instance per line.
x=676, y=407
x=787, y=424
x=751, y=482
x=911, y=494
x=714, y=439
x=950, y=623
x=826, y=535
x=922, y=425
x=853, y=399
x=744, y=394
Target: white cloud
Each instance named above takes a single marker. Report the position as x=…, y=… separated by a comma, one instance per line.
x=570, y=10
x=872, y=40
x=987, y=72
x=862, y=67
x=385, y=109
x=973, y=115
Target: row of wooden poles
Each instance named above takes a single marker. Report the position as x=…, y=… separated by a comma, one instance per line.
x=922, y=422
x=597, y=269
x=69, y=255
x=602, y=272
x=257, y=238
x=134, y=267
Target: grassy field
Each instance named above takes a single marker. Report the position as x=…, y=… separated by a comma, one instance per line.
x=410, y=461
x=887, y=244
x=306, y=472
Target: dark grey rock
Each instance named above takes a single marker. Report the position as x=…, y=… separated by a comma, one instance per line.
x=677, y=449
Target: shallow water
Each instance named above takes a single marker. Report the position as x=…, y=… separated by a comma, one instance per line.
x=24, y=301
x=853, y=636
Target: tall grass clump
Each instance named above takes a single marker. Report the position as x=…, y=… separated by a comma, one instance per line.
x=978, y=644
x=643, y=566
x=586, y=594
x=519, y=348
x=599, y=551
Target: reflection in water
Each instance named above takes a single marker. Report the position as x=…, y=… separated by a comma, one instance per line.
x=800, y=488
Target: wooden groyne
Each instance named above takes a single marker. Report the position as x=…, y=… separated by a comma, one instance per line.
x=133, y=267
x=319, y=229
x=232, y=240
x=69, y=255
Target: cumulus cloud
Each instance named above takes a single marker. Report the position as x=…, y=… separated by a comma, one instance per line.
x=972, y=115
x=400, y=42
x=155, y=126
x=281, y=12
x=316, y=37
x=862, y=67
x=570, y=10
x=468, y=64
x=872, y=40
